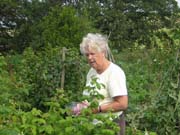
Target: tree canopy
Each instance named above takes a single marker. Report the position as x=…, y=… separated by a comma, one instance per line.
x=27, y=23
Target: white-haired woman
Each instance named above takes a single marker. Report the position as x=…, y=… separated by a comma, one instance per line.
x=95, y=48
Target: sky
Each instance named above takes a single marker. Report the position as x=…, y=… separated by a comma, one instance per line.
x=178, y=2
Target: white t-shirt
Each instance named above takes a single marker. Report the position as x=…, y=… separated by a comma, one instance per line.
x=114, y=80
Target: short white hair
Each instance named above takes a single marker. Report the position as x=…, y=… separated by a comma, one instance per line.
x=96, y=42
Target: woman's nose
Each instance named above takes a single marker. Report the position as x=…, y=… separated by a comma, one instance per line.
x=89, y=57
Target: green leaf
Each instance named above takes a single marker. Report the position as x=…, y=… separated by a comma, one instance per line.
x=8, y=131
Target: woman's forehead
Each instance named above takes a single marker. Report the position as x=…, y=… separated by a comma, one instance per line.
x=91, y=50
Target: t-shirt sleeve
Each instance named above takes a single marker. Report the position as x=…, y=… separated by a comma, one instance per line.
x=117, y=83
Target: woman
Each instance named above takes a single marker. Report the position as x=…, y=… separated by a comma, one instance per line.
x=95, y=48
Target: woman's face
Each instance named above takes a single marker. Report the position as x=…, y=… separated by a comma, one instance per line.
x=95, y=58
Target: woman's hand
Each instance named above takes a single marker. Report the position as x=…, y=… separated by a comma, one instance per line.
x=77, y=109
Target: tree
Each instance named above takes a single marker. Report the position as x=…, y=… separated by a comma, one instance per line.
x=33, y=12
x=129, y=21
x=149, y=16
x=8, y=22
x=61, y=27
x=18, y=19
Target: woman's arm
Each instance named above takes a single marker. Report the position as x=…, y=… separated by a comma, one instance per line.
x=119, y=103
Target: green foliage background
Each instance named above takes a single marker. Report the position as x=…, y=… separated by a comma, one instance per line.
x=144, y=38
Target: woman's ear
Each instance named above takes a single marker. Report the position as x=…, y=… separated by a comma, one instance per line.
x=104, y=53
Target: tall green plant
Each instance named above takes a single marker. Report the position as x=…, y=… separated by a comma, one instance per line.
x=43, y=72
x=11, y=87
x=154, y=85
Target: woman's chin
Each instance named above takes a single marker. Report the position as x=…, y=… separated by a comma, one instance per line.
x=93, y=66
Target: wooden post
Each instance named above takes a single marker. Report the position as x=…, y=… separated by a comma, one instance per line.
x=63, y=67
